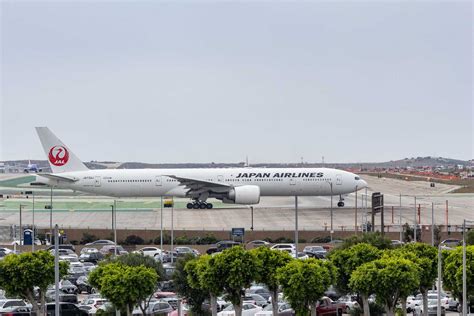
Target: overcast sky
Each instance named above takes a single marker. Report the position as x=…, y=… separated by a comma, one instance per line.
x=202, y=81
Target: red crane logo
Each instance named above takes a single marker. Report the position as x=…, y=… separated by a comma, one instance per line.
x=58, y=155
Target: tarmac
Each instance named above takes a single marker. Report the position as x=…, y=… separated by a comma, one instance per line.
x=273, y=213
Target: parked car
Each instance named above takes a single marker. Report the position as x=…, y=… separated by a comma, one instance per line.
x=7, y=304
x=284, y=309
x=63, y=246
x=327, y=306
x=451, y=243
x=91, y=305
x=89, y=250
x=84, y=286
x=17, y=311
x=65, y=309
x=155, y=308
x=284, y=247
x=248, y=309
x=432, y=308
x=349, y=302
x=315, y=252
x=110, y=249
x=222, y=245
x=93, y=257
x=257, y=243
x=260, y=290
x=100, y=242
x=64, y=252
x=257, y=299
x=149, y=251
x=183, y=251
x=397, y=243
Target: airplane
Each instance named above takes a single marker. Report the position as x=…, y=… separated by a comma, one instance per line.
x=32, y=167
x=229, y=185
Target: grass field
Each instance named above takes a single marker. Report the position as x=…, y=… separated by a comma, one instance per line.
x=89, y=205
x=11, y=183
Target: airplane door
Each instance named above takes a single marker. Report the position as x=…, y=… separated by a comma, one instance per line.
x=220, y=178
x=158, y=181
x=338, y=179
x=97, y=181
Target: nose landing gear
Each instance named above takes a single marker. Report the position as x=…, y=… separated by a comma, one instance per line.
x=199, y=205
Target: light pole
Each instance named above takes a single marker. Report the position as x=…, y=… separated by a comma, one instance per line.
x=114, y=224
x=438, y=286
x=432, y=224
x=33, y=228
x=56, y=270
x=296, y=226
x=161, y=230
x=416, y=226
x=51, y=216
x=172, y=229
x=21, y=226
x=332, y=228
x=464, y=274
x=355, y=219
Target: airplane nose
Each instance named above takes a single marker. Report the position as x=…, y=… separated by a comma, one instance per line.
x=363, y=184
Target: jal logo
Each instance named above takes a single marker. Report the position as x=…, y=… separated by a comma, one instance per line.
x=58, y=156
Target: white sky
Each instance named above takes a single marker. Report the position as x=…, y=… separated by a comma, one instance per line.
x=208, y=81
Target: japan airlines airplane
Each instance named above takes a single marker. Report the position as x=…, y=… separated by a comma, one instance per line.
x=230, y=185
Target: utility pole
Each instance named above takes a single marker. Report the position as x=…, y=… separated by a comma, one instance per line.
x=438, y=286
x=56, y=270
x=432, y=224
x=161, y=231
x=332, y=216
x=33, y=228
x=51, y=215
x=296, y=225
x=172, y=231
x=114, y=221
x=355, y=219
x=21, y=227
x=416, y=226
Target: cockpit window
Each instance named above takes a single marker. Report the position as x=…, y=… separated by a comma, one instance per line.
x=357, y=178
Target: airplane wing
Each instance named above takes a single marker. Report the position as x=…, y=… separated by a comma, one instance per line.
x=58, y=177
x=197, y=187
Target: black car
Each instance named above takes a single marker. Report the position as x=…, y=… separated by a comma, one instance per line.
x=65, y=309
x=222, y=245
x=50, y=296
x=84, y=286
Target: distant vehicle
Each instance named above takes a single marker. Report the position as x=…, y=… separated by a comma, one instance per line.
x=248, y=309
x=64, y=252
x=84, y=286
x=397, y=243
x=91, y=305
x=284, y=309
x=110, y=249
x=17, y=311
x=7, y=251
x=183, y=251
x=222, y=245
x=350, y=303
x=101, y=242
x=258, y=243
x=155, y=308
x=284, y=247
x=150, y=251
x=258, y=299
x=17, y=242
x=7, y=304
x=451, y=243
x=65, y=309
x=327, y=306
x=242, y=186
x=432, y=308
x=260, y=291
x=301, y=256
x=315, y=252
x=89, y=250
x=32, y=167
x=63, y=246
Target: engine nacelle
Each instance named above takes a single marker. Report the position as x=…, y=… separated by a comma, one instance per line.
x=246, y=194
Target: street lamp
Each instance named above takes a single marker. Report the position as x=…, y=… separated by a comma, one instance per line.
x=21, y=226
x=464, y=276
x=332, y=229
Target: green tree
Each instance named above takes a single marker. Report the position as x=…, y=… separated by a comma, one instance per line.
x=124, y=286
x=426, y=257
x=138, y=259
x=347, y=260
x=237, y=271
x=195, y=295
x=267, y=263
x=305, y=281
x=389, y=278
x=470, y=237
x=20, y=274
x=452, y=271
x=375, y=239
x=205, y=273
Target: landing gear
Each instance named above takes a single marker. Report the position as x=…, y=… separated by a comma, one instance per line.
x=199, y=205
x=341, y=201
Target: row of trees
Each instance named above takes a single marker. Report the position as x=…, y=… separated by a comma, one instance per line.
x=362, y=266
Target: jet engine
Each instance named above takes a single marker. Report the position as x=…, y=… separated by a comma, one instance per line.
x=246, y=194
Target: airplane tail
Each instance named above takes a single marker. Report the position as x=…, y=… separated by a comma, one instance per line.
x=60, y=157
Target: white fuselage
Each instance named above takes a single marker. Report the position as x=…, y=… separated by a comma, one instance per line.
x=157, y=182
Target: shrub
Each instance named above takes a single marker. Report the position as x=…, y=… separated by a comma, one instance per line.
x=134, y=240
x=87, y=238
x=321, y=240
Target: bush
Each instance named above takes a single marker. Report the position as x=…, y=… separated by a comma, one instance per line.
x=134, y=240
x=209, y=239
x=376, y=309
x=87, y=238
x=283, y=240
x=166, y=240
x=321, y=240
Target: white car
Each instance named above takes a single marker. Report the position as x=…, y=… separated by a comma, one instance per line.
x=248, y=309
x=432, y=308
x=285, y=247
x=7, y=251
x=7, y=304
x=283, y=309
x=17, y=242
x=150, y=251
x=89, y=250
x=92, y=305
x=418, y=301
x=350, y=303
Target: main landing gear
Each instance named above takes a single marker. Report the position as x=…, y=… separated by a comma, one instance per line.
x=199, y=205
x=341, y=201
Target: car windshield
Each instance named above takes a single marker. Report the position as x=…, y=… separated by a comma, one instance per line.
x=229, y=308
